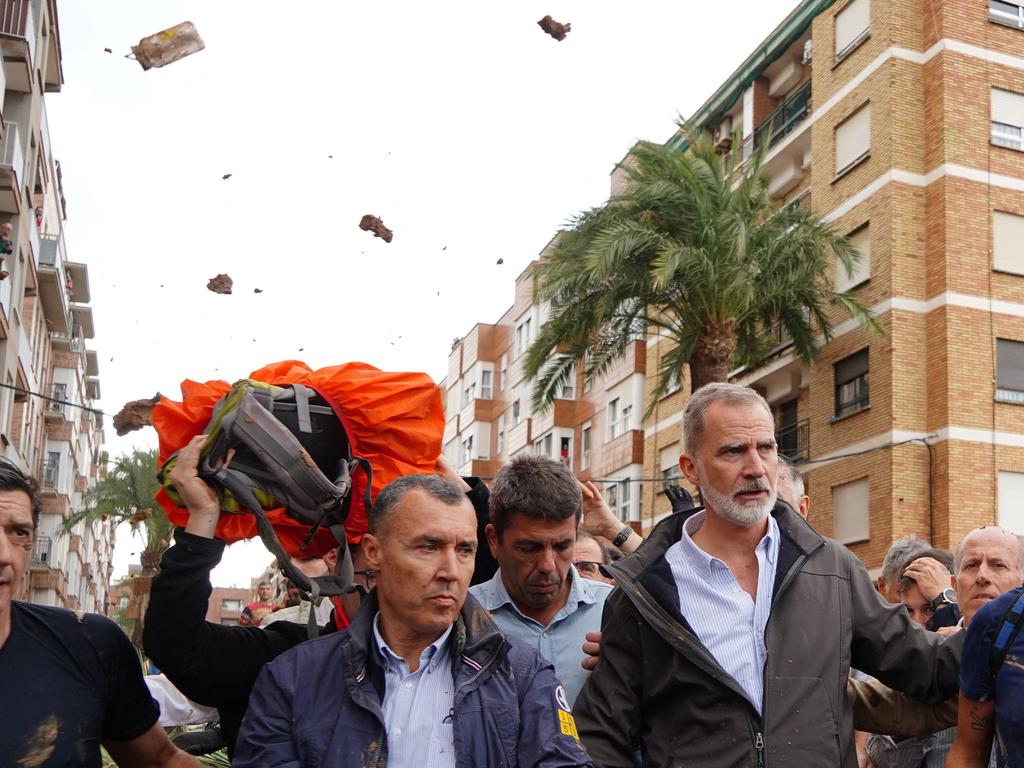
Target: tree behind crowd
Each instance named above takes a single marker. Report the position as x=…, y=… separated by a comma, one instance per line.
x=125, y=495
x=696, y=248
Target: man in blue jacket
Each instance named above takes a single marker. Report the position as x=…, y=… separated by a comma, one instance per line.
x=422, y=677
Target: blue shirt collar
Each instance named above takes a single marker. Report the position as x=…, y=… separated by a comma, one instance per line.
x=493, y=594
x=430, y=657
x=701, y=561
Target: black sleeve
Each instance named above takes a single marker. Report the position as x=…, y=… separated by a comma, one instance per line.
x=480, y=495
x=131, y=710
x=946, y=615
x=212, y=664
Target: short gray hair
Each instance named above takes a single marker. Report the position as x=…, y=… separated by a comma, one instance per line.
x=432, y=485
x=701, y=400
x=791, y=471
x=958, y=553
x=900, y=554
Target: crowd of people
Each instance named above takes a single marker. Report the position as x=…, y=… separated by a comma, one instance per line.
x=523, y=624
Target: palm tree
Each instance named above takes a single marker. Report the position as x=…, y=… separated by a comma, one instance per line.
x=125, y=495
x=696, y=248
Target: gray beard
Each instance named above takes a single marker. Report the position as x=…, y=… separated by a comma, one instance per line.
x=747, y=514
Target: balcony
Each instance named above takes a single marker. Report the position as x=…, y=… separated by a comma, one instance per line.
x=55, y=409
x=12, y=169
x=78, y=281
x=18, y=41
x=42, y=553
x=779, y=123
x=794, y=441
x=53, y=284
x=50, y=476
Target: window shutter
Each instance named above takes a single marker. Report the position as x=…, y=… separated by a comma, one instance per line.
x=853, y=137
x=1008, y=242
x=1008, y=107
x=851, y=22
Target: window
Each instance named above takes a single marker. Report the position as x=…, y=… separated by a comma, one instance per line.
x=850, y=518
x=853, y=139
x=469, y=394
x=1010, y=370
x=122, y=604
x=466, y=452
x=501, y=434
x=1009, y=513
x=568, y=391
x=617, y=496
x=485, y=385
x=1008, y=242
x=503, y=384
x=853, y=26
x=1007, y=119
x=613, y=418
x=542, y=446
x=861, y=240
x=585, y=442
x=565, y=450
x=669, y=463
x=851, y=375
x=1006, y=13
x=673, y=383
x=524, y=335
x=231, y=606
x=515, y=413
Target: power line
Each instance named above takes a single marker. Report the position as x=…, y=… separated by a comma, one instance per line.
x=23, y=391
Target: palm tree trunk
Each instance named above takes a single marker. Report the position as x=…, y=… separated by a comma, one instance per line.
x=712, y=358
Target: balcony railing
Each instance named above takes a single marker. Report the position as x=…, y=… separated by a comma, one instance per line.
x=16, y=19
x=11, y=155
x=42, y=551
x=48, y=248
x=779, y=123
x=794, y=441
x=59, y=393
x=50, y=475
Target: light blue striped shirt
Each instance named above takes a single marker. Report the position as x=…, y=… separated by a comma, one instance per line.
x=723, y=616
x=561, y=641
x=417, y=706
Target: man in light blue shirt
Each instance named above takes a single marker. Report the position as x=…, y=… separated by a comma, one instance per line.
x=537, y=594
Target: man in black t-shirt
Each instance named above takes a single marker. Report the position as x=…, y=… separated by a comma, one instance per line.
x=70, y=681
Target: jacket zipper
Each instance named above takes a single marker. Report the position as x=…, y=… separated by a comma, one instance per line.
x=759, y=749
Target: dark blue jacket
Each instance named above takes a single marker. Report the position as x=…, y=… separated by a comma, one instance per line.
x=319, y=704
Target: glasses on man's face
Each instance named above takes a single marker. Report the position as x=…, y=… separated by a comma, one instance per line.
x=588, y=567
x=369, y=577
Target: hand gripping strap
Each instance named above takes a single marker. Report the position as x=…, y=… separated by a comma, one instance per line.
x=327, y=586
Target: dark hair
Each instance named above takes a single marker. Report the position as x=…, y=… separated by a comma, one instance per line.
x=433, y=485
x=606, y=557
x=13, y=479
x=944, y=556
x=537, y=487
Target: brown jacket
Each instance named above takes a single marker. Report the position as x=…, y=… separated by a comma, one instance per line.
x=657, y=687
x=879, y=709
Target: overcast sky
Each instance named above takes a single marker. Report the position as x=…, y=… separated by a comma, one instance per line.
x=470, y=132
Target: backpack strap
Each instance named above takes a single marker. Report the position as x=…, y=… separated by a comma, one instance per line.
x=1009, y=627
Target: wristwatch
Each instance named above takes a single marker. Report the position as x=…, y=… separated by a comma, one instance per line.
x=945, y=597
x=624, y=534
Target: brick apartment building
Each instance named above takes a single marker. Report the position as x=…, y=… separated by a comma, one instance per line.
x=48, y=379
x=595, y=428
x=226, y=604
x=901, y=122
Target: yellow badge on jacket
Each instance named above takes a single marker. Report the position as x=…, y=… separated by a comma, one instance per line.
x=566, y=723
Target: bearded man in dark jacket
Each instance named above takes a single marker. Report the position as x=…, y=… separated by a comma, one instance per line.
x=731, y=636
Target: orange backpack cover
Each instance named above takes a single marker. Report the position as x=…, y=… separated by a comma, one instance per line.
x=393, y=420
